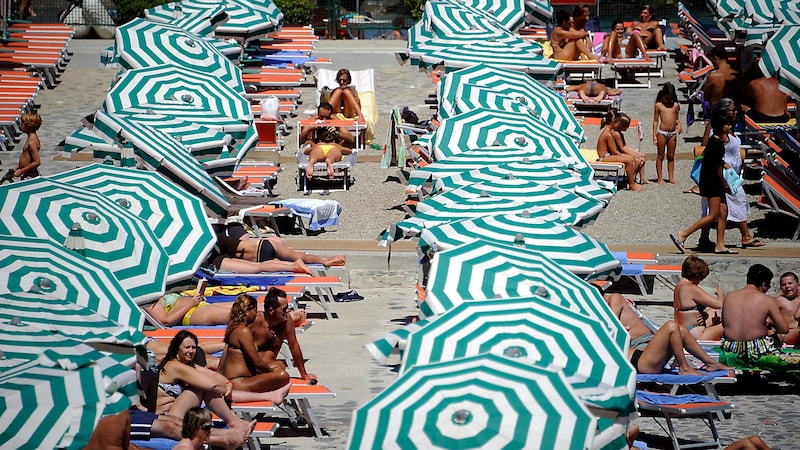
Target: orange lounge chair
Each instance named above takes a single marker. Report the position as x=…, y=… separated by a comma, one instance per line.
x=687, y=406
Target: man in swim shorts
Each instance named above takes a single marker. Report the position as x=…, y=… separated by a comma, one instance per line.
x=745, y=316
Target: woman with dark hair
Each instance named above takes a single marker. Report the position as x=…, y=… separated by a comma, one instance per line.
x=712, y=186
x=344, y=98
x=326, y=150
x=196, y=429
x=648, y=29
x=183, y=385
x=241, y=362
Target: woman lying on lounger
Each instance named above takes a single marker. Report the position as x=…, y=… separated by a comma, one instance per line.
x=326, y=150
x=239, y=252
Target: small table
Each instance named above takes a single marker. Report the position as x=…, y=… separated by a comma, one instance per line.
x=268, y=211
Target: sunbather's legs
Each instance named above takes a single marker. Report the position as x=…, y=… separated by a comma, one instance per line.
x=212, y=314
x=584, y=49
x=283, y=251
x=310, y=169
x=667, y=342
x=344, y=99
x=276, y=378
x=693, y=347
x=630, y=169
x=749, y=443
x=275, y=265
x=218, y=406
x=568, y=52
x=636, y=44
x=169, y=427
x=275, y=396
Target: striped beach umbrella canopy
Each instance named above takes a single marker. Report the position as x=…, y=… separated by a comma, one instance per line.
x=204, y=143
x=729, y=8
x=527, y=169
x=197, y=20
x=484, y=270
x=176, y=217
x=24, y=341
x=543, y=196
x=787, y=13
x=189, y=94
x=549, y=106
x=540, y=12
x=760, y=11
x=485, y=127
x=46, y=406
x=474, y=96
x=480, y=402
x=580, y=254
x=163, y=153
x=534, y=332
x=104, y=232
x=141, y=43
x=247, y=19
x=43, y=267
x=510, y=14
x=780, y=57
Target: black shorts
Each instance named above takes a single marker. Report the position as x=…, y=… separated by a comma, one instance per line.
x=141, y=424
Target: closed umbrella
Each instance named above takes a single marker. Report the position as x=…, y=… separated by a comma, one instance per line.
x=780, y=57
x=161, y=152
x=534, y=332
x=204, y=143
x=247, y=20
x=510, y=14
x=108, y=234
x=199, y=20
x=44, y=267
x=485, y=127
x=483, y=270
x=549, y=106
x=141, y=43
x=175, y=217
x=578, y=253
x=481, y=402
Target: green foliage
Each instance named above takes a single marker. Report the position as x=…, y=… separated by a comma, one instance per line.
x=414, y=8
x=296, y=12
x=130, y=9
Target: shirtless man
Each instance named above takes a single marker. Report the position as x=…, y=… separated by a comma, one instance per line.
x=29, y=160
x=611, y=147
x=241, y=361
x=764, y=102
x=722, y=82
x=309, y=135
x=568, y=44
x=788, y=303
x=649, y=29
x=746, y=314
x=649, y=352
x=273, y=327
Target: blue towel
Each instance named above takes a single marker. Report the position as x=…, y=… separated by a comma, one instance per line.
x=674, y=378
x=239, y=279
x=666, y=399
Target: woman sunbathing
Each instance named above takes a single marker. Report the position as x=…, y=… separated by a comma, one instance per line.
x=239, y=252
x=618, y=39
x=344, y=98
x=325, y=150
x=592, y=91
x=695, y=308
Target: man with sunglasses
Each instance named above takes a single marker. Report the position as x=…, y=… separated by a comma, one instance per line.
x=311, y=135
x=274, y=327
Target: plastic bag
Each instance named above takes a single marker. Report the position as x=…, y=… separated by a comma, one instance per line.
x=270, y=108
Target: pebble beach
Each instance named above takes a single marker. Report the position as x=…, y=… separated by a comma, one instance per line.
x=335, y=348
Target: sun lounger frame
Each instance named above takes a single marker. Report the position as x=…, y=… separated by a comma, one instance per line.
x=703, y=411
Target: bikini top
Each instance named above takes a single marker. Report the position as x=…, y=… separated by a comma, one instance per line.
x=172, y=389
x=696, y=307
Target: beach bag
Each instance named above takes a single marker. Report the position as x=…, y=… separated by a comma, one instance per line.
x=695, y=173
x=733, y=179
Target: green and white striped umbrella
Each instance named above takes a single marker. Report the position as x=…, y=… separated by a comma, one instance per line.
x=787, y=13
x=510, y=14
x=550, y=106
x=729, y=8
x=530, y=170
x=48, y=407
x=578, y=253
x=584, y=209
x=760, y=11
x=29, y=342
x=485, y=127
x=534, y=332
x=163, y=153
x=540, y=12
x=483, y=270
x=176, y=217
x=44, y=267
x=108, y=234
x=191, y=95
x=204, y=143
x=141, y=43
x=481, y=402
x=200, y=21
x=780, y=57
x=474, y=96
x=247, y=20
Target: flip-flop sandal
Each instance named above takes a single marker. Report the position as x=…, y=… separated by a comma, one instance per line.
x=678, y=244
x=727, y=251
x=691, y=191
x=754, y=243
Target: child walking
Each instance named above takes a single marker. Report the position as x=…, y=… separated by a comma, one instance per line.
x=665, y=134
x=29, y=161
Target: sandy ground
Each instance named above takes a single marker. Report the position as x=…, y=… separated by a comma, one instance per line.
x=334, y=348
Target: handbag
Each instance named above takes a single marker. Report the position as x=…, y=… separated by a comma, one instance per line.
x=695, y=173
x=733, y=179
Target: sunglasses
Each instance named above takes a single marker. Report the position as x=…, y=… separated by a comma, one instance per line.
x=206, y=427
x=342, y=80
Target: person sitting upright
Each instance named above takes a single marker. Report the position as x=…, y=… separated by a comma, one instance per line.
x=649, y=29
x=611, y=147
x=344, y=98
x=618, y=39
x=764, y=102
x=790, y=306
x=568, y=44
x=693, y=306
x=750, y=318
x=310, y=135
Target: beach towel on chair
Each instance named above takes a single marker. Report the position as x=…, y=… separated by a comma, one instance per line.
x=319, y=213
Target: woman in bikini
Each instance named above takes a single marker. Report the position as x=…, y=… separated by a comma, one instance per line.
x=649, y=29
x=344, y=98
x=241, y=362
x=666, y=128
x=617, y=40
x=695, y=308
x=610, y=147
x=183, y=385
x=325, y=150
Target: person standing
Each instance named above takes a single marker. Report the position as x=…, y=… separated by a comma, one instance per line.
x=666, y=128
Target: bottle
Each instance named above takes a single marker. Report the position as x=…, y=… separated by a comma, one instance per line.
x=151, y=360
